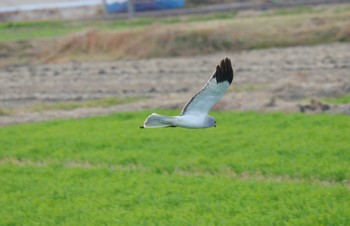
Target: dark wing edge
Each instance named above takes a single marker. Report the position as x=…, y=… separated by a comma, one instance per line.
x=223, y=72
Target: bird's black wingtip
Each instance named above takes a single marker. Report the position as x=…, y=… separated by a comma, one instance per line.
x=224, y=71
x=141, y=127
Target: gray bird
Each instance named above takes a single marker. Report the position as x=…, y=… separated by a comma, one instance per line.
x=195, y=113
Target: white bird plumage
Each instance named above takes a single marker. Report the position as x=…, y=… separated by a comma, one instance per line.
x=195, y=113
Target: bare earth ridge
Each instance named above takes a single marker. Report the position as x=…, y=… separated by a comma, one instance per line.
x=277, y=79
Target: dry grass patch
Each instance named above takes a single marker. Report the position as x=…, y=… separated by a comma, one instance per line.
x=194, y=38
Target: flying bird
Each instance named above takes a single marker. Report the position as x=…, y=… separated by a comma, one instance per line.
x=195, y=113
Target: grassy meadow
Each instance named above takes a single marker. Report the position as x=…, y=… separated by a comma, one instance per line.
x=253, y=169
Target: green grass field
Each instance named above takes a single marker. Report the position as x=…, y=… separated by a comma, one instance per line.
x=253, y=169
x=340, y=100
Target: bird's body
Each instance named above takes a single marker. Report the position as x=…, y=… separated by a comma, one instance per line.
x=195, y=113
x=186, y=121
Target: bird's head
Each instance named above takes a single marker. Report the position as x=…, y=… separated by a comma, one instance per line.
x=210, y=121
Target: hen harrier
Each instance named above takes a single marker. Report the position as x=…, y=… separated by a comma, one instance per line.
x=195, y=113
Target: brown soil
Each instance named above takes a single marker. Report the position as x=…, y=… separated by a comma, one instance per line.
x=277, y=79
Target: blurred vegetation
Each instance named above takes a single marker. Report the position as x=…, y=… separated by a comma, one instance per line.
x=340, y=100
x=190, y=3
x=3, y=112
x=70, y=105
x=26, y=30
x=173, y=36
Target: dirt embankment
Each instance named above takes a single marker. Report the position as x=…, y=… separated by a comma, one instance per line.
x=277, y=79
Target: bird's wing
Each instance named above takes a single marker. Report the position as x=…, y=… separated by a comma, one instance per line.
x=215, y=88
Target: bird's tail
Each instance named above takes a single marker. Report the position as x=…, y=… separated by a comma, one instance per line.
x=157, y=121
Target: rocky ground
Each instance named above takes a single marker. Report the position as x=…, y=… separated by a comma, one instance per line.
x=279, y=79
